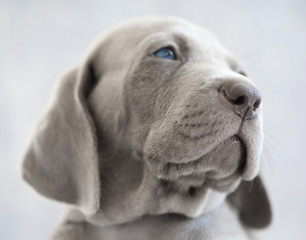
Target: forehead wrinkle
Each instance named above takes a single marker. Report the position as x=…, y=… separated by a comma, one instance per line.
x=184, y=30
x=200, y=42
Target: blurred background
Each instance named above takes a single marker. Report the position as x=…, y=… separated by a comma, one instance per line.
x=40, y=40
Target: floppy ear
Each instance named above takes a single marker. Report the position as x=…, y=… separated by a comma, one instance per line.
x=252, y=203
x=61, y=161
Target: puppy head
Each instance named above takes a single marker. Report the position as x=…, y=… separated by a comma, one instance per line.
x=162, y=89
x=182, y=121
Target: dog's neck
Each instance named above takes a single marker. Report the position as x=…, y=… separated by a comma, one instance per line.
x=127, y=197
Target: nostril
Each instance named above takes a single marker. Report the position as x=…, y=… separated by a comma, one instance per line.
x=237, y=101
x=256, y=105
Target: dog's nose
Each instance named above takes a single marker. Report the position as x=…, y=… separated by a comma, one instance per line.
x=244, y=97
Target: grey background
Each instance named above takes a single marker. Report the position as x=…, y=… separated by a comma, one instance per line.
x=39, y=40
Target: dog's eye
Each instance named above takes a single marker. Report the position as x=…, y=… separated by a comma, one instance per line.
x=166, y=53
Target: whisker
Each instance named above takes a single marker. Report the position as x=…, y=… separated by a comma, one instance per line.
x=270, y=151
x=273, y=142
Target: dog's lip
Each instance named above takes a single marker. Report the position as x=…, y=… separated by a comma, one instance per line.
x=195, y=174
x=226, y=184
x=230, y=140
x=233, y=139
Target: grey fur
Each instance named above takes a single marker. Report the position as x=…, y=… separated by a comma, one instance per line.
x=147, y=148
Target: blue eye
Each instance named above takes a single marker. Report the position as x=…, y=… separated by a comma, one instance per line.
x=166, y=53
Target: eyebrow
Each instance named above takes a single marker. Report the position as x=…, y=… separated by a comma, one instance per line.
x=178, y=41
x=181, y=43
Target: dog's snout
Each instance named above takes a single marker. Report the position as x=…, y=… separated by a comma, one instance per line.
x=244, y=98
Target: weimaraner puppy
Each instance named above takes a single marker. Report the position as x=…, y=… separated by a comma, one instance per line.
x=156, y=135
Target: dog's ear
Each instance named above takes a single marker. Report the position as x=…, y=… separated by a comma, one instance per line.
x=252, y=203
x=61, y=161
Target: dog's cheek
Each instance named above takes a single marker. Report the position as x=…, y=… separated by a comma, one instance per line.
x=144, y=87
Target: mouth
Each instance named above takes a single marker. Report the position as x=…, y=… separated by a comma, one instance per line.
x=220, y=169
